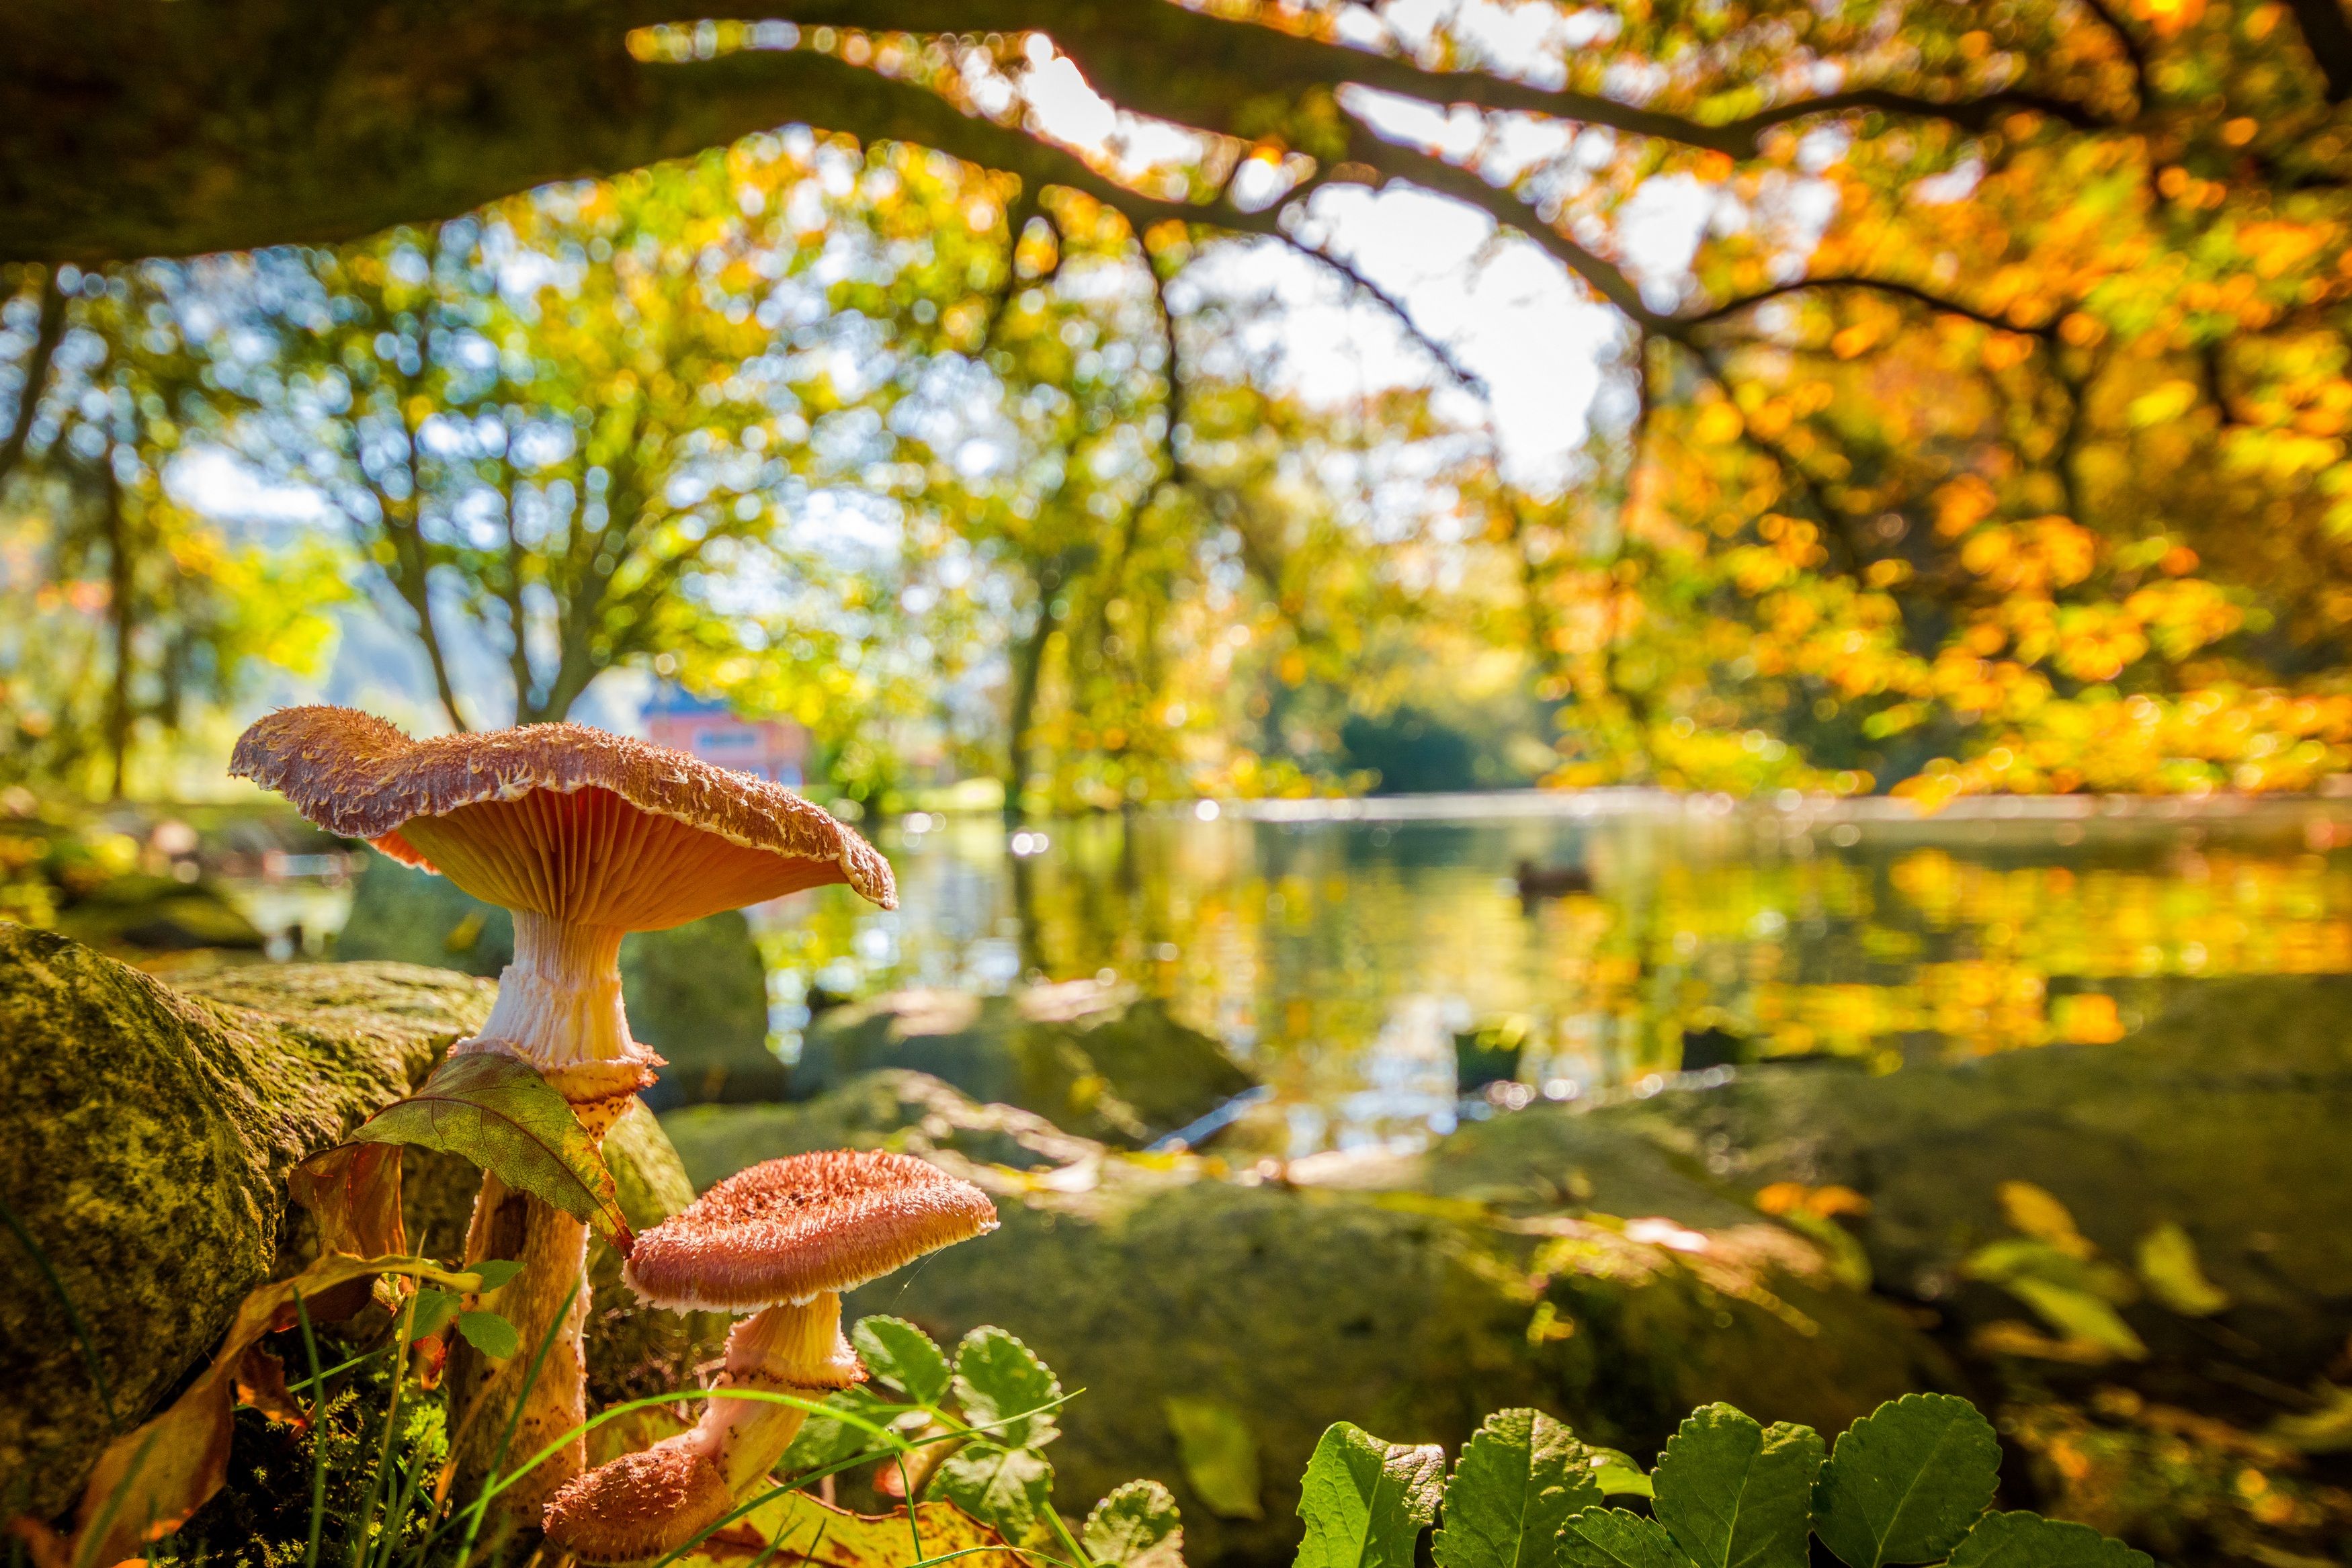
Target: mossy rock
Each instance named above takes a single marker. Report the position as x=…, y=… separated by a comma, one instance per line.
x=2225, y=1116
x=1094, y=1060
x=911, y=1112
x=1271, y=1311
x=145, y=1145
x=697, y=994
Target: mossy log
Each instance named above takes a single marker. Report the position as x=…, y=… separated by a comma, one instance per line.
x=145, y=1147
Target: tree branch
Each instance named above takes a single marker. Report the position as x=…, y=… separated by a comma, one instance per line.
x=1468, y=378
x=1173, y=411
x=1911, y=291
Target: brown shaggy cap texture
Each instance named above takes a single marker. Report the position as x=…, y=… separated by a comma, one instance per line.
x=639, y=1506
x=785, y=1230
x=515, y=813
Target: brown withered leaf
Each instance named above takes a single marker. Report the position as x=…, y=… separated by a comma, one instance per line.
x=353, y=1191
x=260, y=1382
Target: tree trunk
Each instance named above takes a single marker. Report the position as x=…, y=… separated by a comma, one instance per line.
x=1028, y=671
x=118, y=611
x=45, y=338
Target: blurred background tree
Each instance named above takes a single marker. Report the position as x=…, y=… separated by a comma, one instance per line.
x=1987, y=433
x=126, y=617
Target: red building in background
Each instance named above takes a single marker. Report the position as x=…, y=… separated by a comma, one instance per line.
x=774, y=749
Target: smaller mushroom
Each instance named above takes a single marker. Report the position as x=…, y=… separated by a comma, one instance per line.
x=781, y=1240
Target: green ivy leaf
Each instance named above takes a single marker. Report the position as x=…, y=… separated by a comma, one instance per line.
x=903, y=1357
x=1736, y=1494
x=495, y=1272
x=489, y=1333
x=1137, y=1526
x=1219, y=1453
x=1613, y=1538
x=1365, y=1501
x=1519, y=1477
x=2030, y=1540
x=433, y=1309
x=1004, y=1487
x=1000, y=1384
x=1905, y=1483
x=497, y=1112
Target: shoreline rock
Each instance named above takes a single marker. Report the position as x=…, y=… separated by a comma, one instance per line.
x=1095, y=1059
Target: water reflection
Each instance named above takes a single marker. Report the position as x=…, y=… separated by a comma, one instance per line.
x=1340, y=957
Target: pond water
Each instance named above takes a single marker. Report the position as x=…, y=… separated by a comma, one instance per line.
x=1338, y=947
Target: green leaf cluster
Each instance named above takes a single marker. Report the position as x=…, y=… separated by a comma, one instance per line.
x=1911, y=1483
x=989, y=1409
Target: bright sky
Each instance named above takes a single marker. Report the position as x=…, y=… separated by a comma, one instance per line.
x=1506, y=312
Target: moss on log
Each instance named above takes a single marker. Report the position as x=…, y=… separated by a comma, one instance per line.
x=144, y=1144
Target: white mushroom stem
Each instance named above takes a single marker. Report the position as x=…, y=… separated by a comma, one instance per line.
x=558, y=1002
x=794, y=1348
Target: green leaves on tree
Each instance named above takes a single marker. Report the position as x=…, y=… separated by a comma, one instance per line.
x=1366, y=1501
x=1519, y=1477
x=1736, y=1494
x=903, y=1357
x=502, y=1115
x=1905, y=1483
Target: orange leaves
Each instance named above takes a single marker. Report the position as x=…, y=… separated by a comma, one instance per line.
x=1717, y=424
x=1962, y=504
x=2033, y=557
x=2169, y=17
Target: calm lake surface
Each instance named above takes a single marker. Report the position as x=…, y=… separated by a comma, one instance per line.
x=1338, y=947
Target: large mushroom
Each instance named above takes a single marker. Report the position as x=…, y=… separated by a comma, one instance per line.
x=586, y=836
x=781, y=1240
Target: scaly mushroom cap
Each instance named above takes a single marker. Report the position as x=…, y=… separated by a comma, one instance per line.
x=787, y=1229
x=641, y=1505
x=572, y=822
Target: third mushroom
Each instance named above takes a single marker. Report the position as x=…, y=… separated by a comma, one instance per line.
x=781, y=1240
